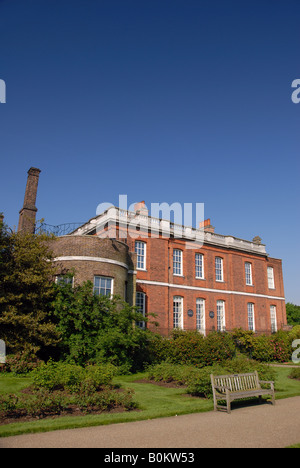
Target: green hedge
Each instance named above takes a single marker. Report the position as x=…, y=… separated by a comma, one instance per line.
x=197, y=380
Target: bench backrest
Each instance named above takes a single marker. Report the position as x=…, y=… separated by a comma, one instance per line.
x=237, y=382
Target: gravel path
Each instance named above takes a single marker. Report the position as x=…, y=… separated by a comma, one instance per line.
x=251, y=426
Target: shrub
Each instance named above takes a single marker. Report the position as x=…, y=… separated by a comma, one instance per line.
x=295, y=374
x=276, y=347
x=70, y=377
x=198, y=380
x=262, y=349
x=169, y=372
x=21, y=363
x=243, y=340
x=218, y=347
x=192, y=348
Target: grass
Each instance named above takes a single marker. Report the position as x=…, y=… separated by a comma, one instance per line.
x=154, y=402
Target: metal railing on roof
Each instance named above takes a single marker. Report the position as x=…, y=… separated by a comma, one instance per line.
x=59, y=230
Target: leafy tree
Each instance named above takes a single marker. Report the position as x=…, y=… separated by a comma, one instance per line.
x=99, y=329
x=26, y=292
x=293, y=314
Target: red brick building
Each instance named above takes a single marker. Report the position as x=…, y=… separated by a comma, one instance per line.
x=205, y=282
x=193, y=279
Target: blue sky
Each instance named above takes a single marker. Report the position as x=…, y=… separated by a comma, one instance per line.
x=162, y=100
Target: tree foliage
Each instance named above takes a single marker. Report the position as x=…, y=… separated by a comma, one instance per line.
x=292, y=314
x=26, y=292
x=97, y=328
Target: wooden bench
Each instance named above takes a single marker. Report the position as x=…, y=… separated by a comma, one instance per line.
x=237, y=386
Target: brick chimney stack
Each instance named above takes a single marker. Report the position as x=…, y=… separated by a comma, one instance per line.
x=206, y=226
x=28, y=212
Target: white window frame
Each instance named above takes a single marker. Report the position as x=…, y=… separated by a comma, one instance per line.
x=219, y=274
x=140, y=303
x=273, y=316
x=97, y=289
x=248, y=274
x=270, y=274
x=200, y=315
x=221, y=323
x=141, y=251
x=177, y=262
x=178, y=312
x=199, y=265
x=251, y=316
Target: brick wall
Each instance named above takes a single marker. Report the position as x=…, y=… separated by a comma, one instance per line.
x=233, y=290
x=90, y=256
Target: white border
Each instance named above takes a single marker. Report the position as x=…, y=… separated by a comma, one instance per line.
x=195, y=288
x=91, y=259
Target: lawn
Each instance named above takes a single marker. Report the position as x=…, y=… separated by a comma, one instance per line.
x=154, y=402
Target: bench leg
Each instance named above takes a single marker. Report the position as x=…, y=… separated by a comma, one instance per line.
x=228, y=402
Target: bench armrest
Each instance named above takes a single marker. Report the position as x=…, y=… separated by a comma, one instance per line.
x=270, y=382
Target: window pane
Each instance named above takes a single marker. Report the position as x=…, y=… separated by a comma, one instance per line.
x=177, y=312
x=200, y=315
x=103, y=286
x=248, y=273
x=177, y=262
x=141, y=307
x=140, y=250
x=219, y=268
x=273, y=319
x=271, y=284
x=221, y=315
x=199, y=266
x=250, y=308
x=63, y=279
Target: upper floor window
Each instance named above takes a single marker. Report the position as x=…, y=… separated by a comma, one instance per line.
x=141, y=307
x=271, y=283
x=219, y=268
x=250, y=310
x=103, y=286
x=199, y=262
x=248, y=273
x=177, y=262
x=140, y=250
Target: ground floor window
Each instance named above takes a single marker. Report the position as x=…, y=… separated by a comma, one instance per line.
x=141, y=307
x=64, y=279
x=251, y=323
x=103, y=286
x=221, y=315
x=200, y=315
x=177, y=312
x=273, y=319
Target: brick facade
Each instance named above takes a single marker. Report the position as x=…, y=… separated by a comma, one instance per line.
x=245, y=306
x=90, y=256
x=233, y=290
x=248, y=294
